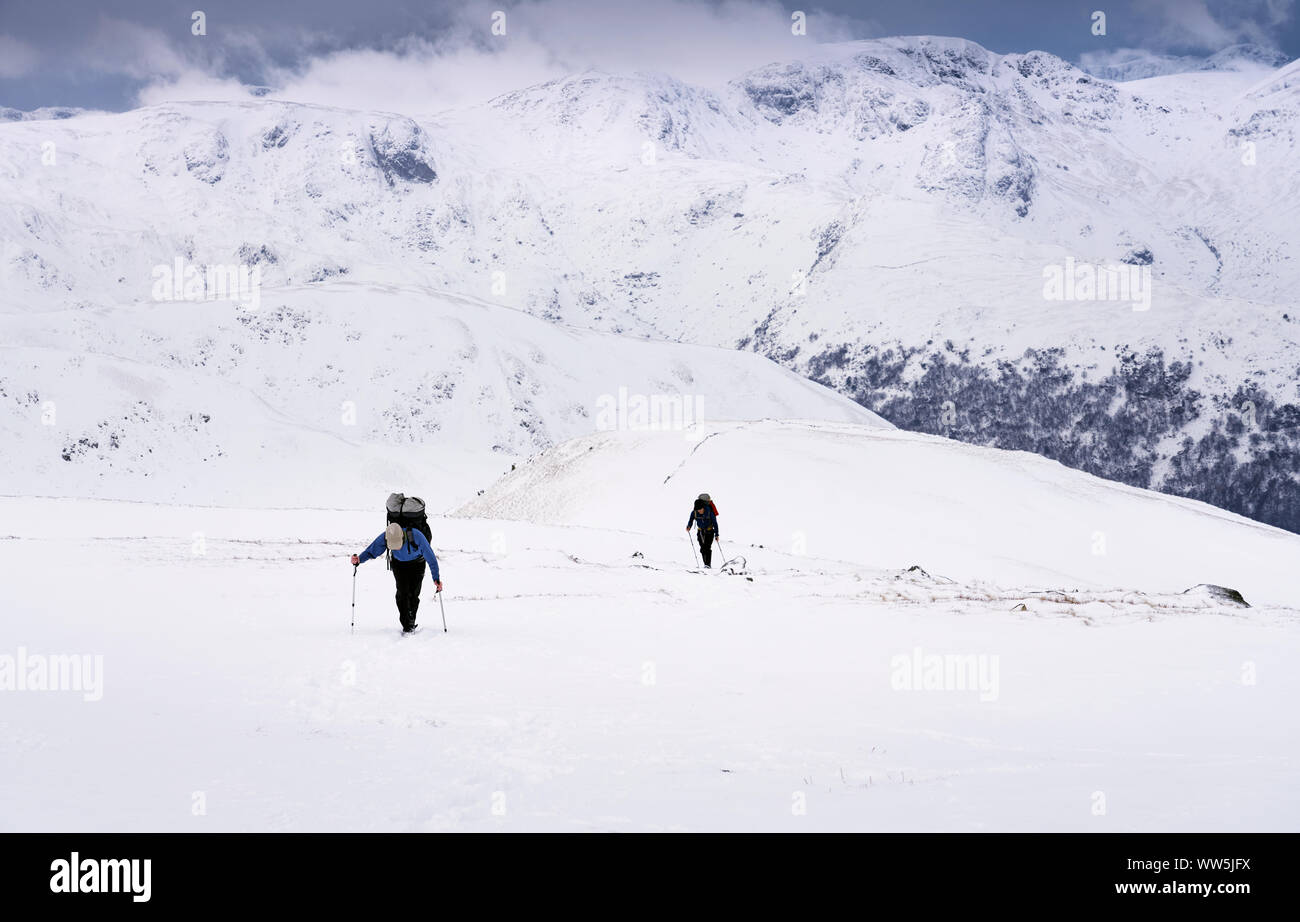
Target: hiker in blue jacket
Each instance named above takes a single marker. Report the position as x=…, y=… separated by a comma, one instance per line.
x=704, y=515
x=410, y=551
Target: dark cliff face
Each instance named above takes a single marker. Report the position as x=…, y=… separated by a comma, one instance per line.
x=401, y=151
x=1239, y=451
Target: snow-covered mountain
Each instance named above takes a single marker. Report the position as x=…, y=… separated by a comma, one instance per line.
x=879, y=216
x=331, y=394
x=227, y=330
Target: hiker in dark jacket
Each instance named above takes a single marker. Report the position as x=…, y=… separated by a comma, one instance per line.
x=706, y=520
x=410, y=551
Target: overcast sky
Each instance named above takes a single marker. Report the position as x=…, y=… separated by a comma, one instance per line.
x=428, y=54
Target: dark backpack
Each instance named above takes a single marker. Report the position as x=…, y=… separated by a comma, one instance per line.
x=408, y=512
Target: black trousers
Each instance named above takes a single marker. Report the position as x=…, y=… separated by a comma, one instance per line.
x=705, y=537
x=409, y=576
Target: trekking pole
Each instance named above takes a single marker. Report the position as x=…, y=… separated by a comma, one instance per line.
x=694, y=556
x=721, y=551
x=354, y=598
x=443, y=610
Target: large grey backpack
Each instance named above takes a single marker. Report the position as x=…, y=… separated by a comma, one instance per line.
x=409, y=513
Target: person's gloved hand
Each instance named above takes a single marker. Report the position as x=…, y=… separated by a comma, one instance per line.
x=688, y=528
x=356, y=561
x=438, y=583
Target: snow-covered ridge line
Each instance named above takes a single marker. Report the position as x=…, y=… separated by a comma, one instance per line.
x=888, y=499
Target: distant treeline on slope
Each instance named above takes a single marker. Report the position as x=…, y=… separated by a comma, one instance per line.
x=1246, y=458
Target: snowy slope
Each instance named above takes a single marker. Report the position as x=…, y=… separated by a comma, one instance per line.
x=336, y=392
x=891, y=499
x=583, y=688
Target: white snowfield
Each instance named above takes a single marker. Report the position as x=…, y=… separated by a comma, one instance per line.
x=340, y=390
x=888, y=498
x=591, y=680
